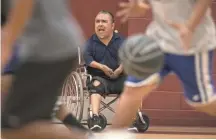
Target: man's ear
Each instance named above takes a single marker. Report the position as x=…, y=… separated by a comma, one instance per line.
x=116, y=31
x=113, y=26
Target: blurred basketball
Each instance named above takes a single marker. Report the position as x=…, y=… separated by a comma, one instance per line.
x=141, y=56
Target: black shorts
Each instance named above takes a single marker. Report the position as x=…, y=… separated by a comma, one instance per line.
x=34, y=91
x=108, y=86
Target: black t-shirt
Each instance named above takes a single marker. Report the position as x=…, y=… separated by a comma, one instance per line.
x=95, y=50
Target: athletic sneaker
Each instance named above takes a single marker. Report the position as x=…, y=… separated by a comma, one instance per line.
x=139, y=125
x=96, y=124
x=133, y=127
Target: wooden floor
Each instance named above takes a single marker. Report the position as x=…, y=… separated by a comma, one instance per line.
x=182, y=130
x=175, y=136
x=179, y=133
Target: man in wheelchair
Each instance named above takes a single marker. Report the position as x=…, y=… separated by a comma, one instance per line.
x=101, y=58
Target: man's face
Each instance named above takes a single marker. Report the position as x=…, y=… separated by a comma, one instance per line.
x=103, y=26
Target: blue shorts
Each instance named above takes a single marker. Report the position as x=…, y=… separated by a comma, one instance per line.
x=10, y=67
x=195, y=73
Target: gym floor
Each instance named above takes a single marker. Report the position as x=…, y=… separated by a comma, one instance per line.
x=179, y=133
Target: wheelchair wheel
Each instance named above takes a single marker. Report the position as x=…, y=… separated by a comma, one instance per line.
x=103, y=122
x=142, y=122
x=72, y=95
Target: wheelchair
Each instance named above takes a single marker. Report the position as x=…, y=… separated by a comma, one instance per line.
x=75, y=91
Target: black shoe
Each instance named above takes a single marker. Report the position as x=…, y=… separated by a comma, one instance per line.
x=95, y=126
x=133, y=127
x=141, y=123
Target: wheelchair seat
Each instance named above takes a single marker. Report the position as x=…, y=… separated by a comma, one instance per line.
x=75, y=91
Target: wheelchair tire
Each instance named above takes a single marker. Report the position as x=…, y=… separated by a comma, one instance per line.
x=142, y=125
x=73, y=87
x=103, y=121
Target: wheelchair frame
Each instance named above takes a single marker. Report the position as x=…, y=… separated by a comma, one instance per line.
x=76, y=82
x=79, y=77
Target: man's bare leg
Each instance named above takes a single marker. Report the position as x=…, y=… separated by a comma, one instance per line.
x=68, y=119
x=95, y=103
x=128, y=105
x=95, y=99
x=43, y=130
x=209, y=108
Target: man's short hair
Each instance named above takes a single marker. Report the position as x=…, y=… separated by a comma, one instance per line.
x=109, y=13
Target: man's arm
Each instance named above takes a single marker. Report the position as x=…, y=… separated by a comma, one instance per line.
x=96, y=65
x=88, y=57
x=88, y=53
x=186, y=30
x=17, y=18
x=18, y=15
x=119, y=69
x=198, y=13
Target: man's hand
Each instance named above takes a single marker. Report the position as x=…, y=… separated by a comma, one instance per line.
x=185, y=34
x=116, y=73
x=132, y=8
x=108, y=71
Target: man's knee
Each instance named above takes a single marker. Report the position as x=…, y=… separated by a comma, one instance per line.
x=138, y=91
x=210, y=109
x=96, y=87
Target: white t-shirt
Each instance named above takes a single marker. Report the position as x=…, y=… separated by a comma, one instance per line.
x=179, y=11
